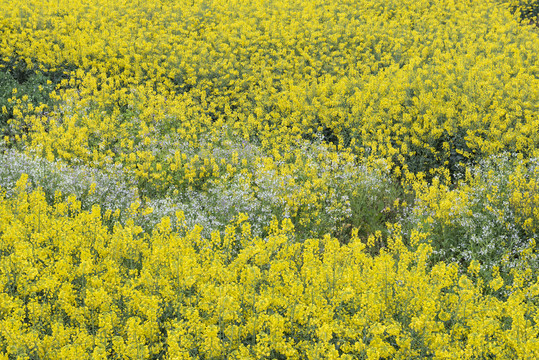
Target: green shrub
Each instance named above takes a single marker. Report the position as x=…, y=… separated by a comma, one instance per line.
x=527, y=10
x=31, y=89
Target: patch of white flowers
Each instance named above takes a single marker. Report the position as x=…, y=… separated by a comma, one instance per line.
x=486, y=229
x=110, y=190
x=260, y=194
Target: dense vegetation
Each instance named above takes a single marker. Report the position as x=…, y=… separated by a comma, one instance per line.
x=294, y=179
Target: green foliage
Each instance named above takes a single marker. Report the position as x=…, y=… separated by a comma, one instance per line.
x=528, y=10
x=449, y=151
x=31, y=88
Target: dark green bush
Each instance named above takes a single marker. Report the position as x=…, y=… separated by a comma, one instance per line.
x=36, y=86
x=527, y=10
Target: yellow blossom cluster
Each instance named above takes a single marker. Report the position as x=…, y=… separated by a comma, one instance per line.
x=490, y=217
x=442, y=81
x=73, y=289
x=525, y=195
x=269, y=179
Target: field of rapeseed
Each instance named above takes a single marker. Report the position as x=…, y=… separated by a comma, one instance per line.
x=267, y=179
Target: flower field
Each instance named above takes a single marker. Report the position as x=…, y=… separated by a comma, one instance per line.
x=232, y=179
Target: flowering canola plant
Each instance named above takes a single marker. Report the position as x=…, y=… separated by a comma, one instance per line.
x=268, y=179
x=74, y=289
